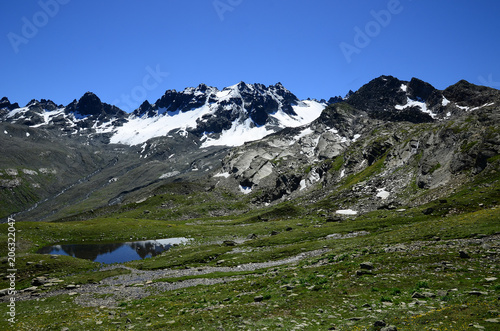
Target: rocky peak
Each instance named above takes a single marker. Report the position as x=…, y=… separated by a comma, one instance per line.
x=470, y=95
x=39, y=106
x=379, y=94
x=336, y=99
x=387, y=98
x=90, y=105
x=144, y=109
x=183, y=101
x=5, y=104
x=420, y=90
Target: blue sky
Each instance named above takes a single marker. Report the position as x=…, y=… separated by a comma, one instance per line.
x=127, y=51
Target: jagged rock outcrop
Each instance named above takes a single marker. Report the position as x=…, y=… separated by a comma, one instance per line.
x=376, y=155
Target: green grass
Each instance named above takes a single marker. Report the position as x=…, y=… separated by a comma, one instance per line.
x=318, y=292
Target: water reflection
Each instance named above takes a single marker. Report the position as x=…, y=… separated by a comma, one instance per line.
x=115, y=252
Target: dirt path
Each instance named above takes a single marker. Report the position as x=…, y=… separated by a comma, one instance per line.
x=139, y=283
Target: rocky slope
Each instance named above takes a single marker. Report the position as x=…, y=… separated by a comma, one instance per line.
x=391, y=144
x=96, y=154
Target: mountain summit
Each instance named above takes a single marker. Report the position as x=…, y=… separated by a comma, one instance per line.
x=237, y=114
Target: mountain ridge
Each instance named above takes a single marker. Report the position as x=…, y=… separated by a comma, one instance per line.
x=217, y=112
x=301, y=149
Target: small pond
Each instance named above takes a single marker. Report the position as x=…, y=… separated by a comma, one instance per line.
x=114, y=252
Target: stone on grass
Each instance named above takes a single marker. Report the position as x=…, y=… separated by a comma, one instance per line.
x=422, y=295
x=366, y=265
x=464, y=255
x=258, y=298
x=37, y=281
x=363, y=272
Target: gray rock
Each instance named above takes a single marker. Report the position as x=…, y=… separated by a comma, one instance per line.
x=363, y=272
x=366, y=265
x=258, y=298
x=37, y=281
x=464, y=255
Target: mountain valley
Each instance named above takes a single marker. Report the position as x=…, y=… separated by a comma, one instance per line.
x=374, y=211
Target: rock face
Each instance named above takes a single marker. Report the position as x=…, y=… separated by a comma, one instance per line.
x=388, y=98
x=6, y=105
x=432, y=144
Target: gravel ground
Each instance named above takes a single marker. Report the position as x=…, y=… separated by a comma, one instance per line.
x=139, y=283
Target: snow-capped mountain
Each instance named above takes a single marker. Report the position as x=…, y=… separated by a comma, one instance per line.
x=231, y=117
x=228, y=117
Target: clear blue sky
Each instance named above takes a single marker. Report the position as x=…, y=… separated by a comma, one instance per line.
x=111, y=47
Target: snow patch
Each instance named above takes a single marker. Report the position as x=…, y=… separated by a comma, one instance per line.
x=382, y=193
x=223, y=174
x=303, y=185
x=346, y=212
x=238, y=134
x=404, y=87
x=485, y=105
x=413, y=103
x=307, y=111
x=302, y=134
x=16, y=111
x=169, y=174
x=138, y=130
x=445, y=102
x=245, y=189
